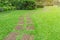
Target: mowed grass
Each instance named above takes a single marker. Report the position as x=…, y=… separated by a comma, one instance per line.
x=9, y=20
x=46, y=21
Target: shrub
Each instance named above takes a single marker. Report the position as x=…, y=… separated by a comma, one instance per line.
x=26, y=5
x=6, y=8
x=17, y=4
x=13, y=8
x=30, y=5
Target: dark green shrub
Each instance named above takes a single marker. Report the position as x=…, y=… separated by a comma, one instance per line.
x=26, y=5
x=30, y=5
x=6, y=8
x=17, y=4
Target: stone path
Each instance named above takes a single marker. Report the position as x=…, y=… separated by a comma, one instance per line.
x=20, y=26
x=28, y=37
x=29, y=26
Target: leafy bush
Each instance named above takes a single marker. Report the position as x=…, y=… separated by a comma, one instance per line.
x=30, y=5
x=26, y=5
x=17, y=4
x=6, y=8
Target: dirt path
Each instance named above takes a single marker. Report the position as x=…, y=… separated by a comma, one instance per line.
x=20, y=26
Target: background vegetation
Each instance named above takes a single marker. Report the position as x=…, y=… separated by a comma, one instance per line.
x=17, y=4
x=23, y=4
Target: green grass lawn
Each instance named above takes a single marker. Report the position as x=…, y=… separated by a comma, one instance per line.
x=9, y=20
x=47, y=24
x=46, y=21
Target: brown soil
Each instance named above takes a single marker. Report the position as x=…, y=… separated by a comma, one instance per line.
x=28, y=37
x=11, y=36
x=21, y=18
x=29, y=22
x=19, y=27
x=21, y=22
x=30, y=27
x=28, y=18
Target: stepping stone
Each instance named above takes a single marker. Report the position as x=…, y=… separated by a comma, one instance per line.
x=30, y=27
x=11, y=36
x=21, y=18
x=31, y=37
x=21, y=22
x=29, y=22
x=19, y=27
x=28, y=18
x=28, y=15
x=27, y=37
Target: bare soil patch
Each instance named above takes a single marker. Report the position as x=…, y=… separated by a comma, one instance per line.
x=30, y=27
x=21, y=22
x=11, y=36
x=28, y=37
x=19, y=27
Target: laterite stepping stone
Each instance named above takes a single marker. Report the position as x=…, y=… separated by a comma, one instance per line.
x=30, y=27
x=21, y=18
x=11, y=36
x=28, y=18
x=21, y=22
x=27, y=37
x=29, y=22
x=19, y=27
